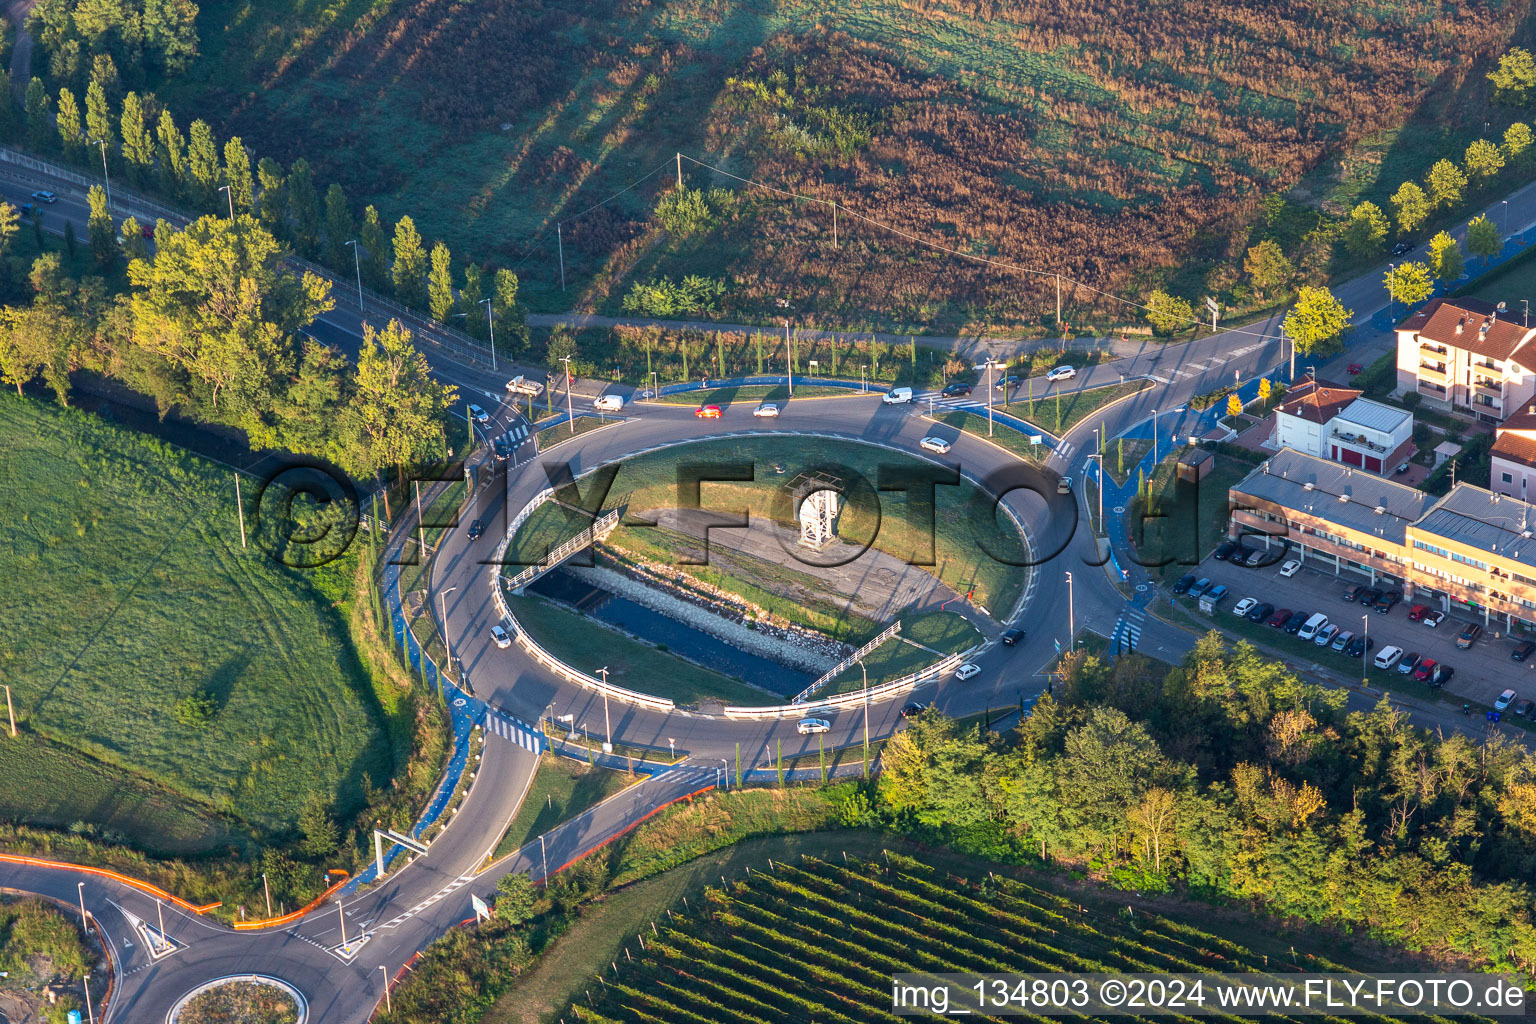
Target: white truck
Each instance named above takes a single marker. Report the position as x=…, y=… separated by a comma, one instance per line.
x=521, y=385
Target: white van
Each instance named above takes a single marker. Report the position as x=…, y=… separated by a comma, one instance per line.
x=897, y=396
x=1311, y=626
x=608, y=403
x=1388, y=657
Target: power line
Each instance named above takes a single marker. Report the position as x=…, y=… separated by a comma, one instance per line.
x=533, y=247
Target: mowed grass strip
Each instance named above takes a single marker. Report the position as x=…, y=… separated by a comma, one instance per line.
x=546, y=438
x=132, y=592
x=1001, y=434
x=941, y=631
x=756, y=394
x=561, y=789
x=1060, y=412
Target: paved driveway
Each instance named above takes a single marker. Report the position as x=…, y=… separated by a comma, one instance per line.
x=1481, y=672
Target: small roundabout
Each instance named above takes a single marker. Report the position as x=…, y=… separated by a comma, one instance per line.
x=250, y=998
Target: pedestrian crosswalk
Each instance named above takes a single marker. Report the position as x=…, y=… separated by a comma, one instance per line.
x=509, y=728
x=1127, y=632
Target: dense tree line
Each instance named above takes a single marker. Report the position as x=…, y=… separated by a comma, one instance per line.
x=82, y=38
x=1232, y=777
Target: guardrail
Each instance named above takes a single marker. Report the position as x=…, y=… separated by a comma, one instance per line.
x=848, y=662
x=856, y=699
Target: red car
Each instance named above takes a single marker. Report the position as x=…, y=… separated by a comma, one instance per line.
x=1278, y=619
x=1426, y=667
x=148, y=231
x=1417, y=612
x=1355, y=368
x=707, y=412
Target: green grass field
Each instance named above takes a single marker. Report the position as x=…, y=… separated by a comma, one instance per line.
x=132, y=593
x=547, y=437
x=1002, y=435
x=942, y=632
x=561, y=789
x=1060, y=412
x=586, y=645
x=1194, y=516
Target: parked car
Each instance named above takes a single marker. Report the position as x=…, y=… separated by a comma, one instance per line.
x=1260, y=612
x=1417, y=612
x=1296, y=622
x=937, y=445
x=1062, y=373
x=1522, y=651
x=1183, y=583
x=708, y=412
x=1408, y=664
x=521, y=385
x=1200, y=586
x=1504, y=700
x=477, y=529
x=1216, y=594
x=1356, y=368
x=1387, y=657
x=957, y=389
x=1290, y=568
x=1325, y=634
x=1441, y=675
x=1425, y=670
x=148, y=231
x=502, y=638
x=1280, y=618
x=1357, y=647
x=767, y=411
x=1402, y=248
x=1433, y=618
x=1341, y=639
x=1386, y=601
x=913, y=710
x=45, y=197
x=1523, y=707
x=1353, y=591
x=1011, y=637
x=967, y=671
x=1224, y=550
x=478, y=414
x=1256, y=557
x=502, y=449
x=811, y=726
x=1241, y=555
x=1310, y=628
x=1368, y=596
x=897, y=396
x=1245, y=606
x=1468, y=636
x=608, y=403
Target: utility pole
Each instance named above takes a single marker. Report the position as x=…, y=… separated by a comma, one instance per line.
x=834, y=224
x=607, y=723
x=490, y=322
x=357, y=264
x=1058, y=299
x=679, y=172
x=10, y=710
x=240, y=508
x=560, y=243
x=569, y=415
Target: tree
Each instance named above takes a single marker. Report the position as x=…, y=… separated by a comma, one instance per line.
x=1484, y=159
x=138, y=144
x=1446, y=182
x=1268, y=267
x=196, y=710
x=306, y=207
x=1513, y=78
x=515, y=898
x=1366, y=230
x=40, y=128
x=170, y=33
x=1153, y=821
x=134, y=247
x=469, y=298
x=1444, y=257
x=7, y=113
x=511, y=318
x=410, y=267
x=1317, y=321
x=272, y=202
x=173, y=154
x=1409, y=283
x=321, y=835
x=440, y=283
x=237, y=173
x=400, y=405
x=202, y=163
x=338, y=226
x=1483, y=238
x=218, y=301
x=1412, y=206
x=375, y=254
x=1234, y=405
x=1169, y=313
x=684, y=211
x=1265, y=390
x=68, y=120
x=102, y=230
x=98, y=114
x=1517, y=141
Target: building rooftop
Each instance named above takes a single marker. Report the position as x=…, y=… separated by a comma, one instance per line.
x=1374, y=416
x=1486, y=521
x=1473, y=325
x=1317, y=402
x=1336, y=493
x=1524, y=419
x=1515, y=447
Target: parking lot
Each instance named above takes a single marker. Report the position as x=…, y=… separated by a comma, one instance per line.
x=1481, y=672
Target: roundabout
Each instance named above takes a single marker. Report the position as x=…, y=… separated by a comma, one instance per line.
x=253, y=997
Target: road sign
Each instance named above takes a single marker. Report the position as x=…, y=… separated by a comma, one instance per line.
x=1058, y=645
x=1212, y=305
x=481, y=908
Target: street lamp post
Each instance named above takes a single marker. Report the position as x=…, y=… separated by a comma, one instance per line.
x=569, y=415
x=267, y=891
x=1366, y=653
x=725, y=771
x=1100, y=488
x=230, y=195
x=544, y=857
x=1504, y=210
x=490, y=323
x=607, y=725
x=357, y=265
x=85, y=925
x=105, y=176
x=789, y=358
x=387, y=1007
x=1154, y=440
x=442, y=609
x=1071, y=621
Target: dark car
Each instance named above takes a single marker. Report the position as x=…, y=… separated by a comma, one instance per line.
x=1368, y=596
x=1260, y=612
x=1385, y=602
x=1402, y=248
x=1358, y=646
x=503, y=449
x=477, y=529
x=1467, y=637
x=1224, y=550
x=148, y=231
x=1295, y=622
x=956, y=389
x=1280, y=618
x=1256, y=557
x=913, y=710
x=1408, y=663
x=1524, y=707
x=1353, y=591
x=1011, y=637
x=1183, y=583
x=1522, y=651
x=1441, y=675
x=1011, y=380
x=1200, y=586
